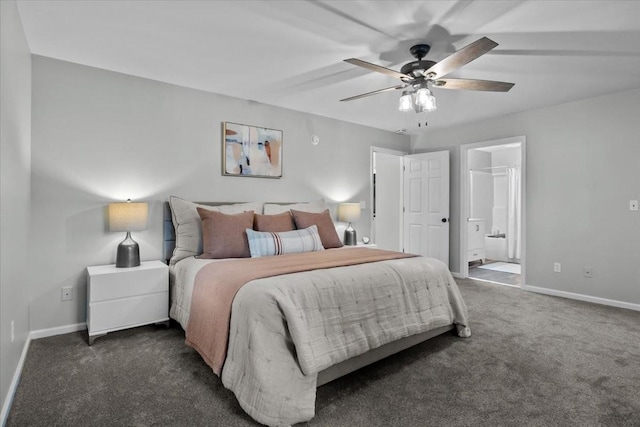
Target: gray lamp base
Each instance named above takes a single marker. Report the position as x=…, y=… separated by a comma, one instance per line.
x=350, y=237
x=128, y=253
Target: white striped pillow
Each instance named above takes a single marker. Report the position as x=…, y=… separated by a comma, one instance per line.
x=262, y=243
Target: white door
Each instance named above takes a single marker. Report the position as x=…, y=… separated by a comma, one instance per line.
x=387, y=217
x=426, y=205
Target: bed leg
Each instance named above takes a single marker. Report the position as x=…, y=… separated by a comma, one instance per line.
x=166, y=323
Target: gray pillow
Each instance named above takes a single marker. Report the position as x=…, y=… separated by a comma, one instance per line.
x=188, y=225
x=314, y=207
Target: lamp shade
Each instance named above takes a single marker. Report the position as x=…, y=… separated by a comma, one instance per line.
x=128, y=216
x=349, y=212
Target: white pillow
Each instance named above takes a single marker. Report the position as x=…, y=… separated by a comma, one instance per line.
x=264, y=243
x=188, y=226
x=314, y=207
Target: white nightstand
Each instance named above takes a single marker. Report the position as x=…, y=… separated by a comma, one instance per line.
x=367, y=245
x=121, y=298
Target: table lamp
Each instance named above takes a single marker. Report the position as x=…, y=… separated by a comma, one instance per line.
x=128, y=217
x=349, y=212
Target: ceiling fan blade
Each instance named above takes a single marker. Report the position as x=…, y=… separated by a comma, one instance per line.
x=377, y=68
x=461, y=57
x=468, y=84
x=375, y=92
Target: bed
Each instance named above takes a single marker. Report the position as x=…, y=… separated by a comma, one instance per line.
x=292, y=327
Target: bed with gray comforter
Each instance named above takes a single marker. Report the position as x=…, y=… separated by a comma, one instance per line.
x=286, y=329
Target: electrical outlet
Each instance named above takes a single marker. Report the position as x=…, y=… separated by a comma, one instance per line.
x=67, y=293
x=633, y=205
x=587, y=272
x=557, y=267
x=13, y=331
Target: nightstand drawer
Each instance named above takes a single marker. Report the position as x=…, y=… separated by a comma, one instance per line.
x=107, y=282
x=123, y=313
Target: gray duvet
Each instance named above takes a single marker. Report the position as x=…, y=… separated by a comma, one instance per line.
x=285, y=329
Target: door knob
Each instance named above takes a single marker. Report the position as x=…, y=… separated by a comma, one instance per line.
x=444, y=219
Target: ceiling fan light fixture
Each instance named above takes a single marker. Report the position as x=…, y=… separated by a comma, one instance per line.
x=431, y=103
x=406, y=101
x=418, y=76
x=425, y=99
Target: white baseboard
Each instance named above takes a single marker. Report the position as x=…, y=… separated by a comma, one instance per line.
x=6, y=405
x=581, y=297
x=59, y=330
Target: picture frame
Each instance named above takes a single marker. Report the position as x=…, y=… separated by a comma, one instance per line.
x=251, y=151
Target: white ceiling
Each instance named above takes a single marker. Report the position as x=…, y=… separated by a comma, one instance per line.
x=290, y=53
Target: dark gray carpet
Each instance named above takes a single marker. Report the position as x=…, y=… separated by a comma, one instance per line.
x=533, y=360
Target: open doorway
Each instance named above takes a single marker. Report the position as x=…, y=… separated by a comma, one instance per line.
x=492, y=209
x=410, y=202
x=386, y=198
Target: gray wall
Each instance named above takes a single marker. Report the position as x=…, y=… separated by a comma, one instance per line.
x=506, y=157
x=15, y=183
x=583, y=163
x=100, y=136
x=481, y=189
x=478, y=159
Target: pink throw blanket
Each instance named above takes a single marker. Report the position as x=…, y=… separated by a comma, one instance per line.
x=217, y=283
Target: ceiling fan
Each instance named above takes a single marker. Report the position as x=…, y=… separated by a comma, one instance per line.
x=417, y=76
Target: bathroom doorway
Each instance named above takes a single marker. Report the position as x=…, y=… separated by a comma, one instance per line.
x=492, y=210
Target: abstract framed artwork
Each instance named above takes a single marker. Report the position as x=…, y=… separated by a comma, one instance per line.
x=251, y=151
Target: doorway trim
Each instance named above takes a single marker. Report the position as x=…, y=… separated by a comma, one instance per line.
x=374, y=149
x=465, y=199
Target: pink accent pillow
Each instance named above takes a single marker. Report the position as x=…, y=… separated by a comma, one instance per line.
x=224, y=236
x=274, y=223
x=326, y=229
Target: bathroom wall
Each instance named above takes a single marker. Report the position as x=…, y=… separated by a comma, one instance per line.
x=481, y=187
x=504, y=157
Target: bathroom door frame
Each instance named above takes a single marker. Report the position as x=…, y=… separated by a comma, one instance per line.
x=465, y=197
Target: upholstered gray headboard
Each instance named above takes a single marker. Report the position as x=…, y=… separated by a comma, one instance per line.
x=168, y=233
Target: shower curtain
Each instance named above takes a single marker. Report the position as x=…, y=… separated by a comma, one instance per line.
x=513, y=214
